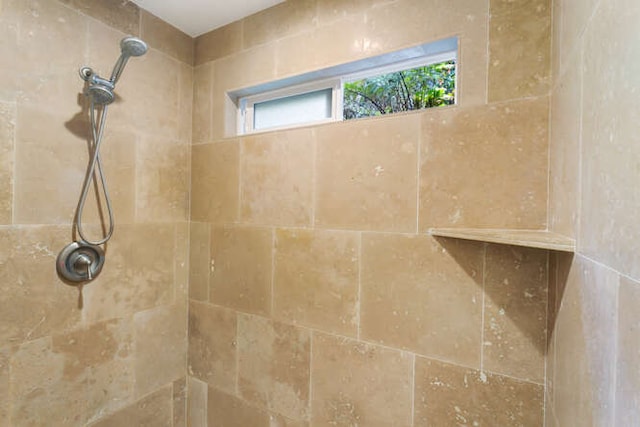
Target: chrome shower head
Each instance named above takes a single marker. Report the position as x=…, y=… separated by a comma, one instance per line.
x=130, y=46
x=133, y=46
x=101, y=94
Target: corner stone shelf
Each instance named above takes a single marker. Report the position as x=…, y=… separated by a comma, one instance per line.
x=529, y=238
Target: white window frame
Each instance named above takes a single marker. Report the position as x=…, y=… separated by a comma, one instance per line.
x=338, y=77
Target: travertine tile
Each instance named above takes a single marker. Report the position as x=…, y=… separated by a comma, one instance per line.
x=33, y=302
x=244, y=69
x=218, y=43
x=7, y=149
x=316, y=279
x=42, y=392
x=485, y=167
x=48, y=48
x=215, y=182
x=186, y=103
x=102, y=355
x=166, y=38
x=423, y=294
x=202, y=107
x=199, y=261
x=181, y=264
x=585, y=346
x=610, y=139
x=573, y=18
x=332, y=10
x=138, y=273
x=515, y=312
x=274, y=365
x=154, y=410
x=356, y=383
x=52, y=197
x=149, y=100
x=366, y=174
x=292, y=18
x=5, y=392
x=160, y=347
x=447, y=395
x=224, y=410
x=323, y=47
x=277, y=178
x=180, y=403
x=627, y=394
x=123, y=15
x=162, y=181
x=212, y=345
x=564, y=146
x=241, y=262
x=519, y=49
x=197, y=403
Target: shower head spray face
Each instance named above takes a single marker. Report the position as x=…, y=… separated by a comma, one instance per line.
x=133, y=46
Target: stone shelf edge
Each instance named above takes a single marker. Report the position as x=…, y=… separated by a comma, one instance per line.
x=541, y=239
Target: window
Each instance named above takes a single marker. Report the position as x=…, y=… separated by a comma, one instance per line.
x=410, y=79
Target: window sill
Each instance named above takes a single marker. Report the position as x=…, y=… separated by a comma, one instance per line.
x=540, y=239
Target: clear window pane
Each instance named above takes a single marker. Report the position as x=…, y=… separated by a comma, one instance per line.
x=412, y=89
x=291, y=110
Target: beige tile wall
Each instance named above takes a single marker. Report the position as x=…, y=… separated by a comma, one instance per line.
x=317, y=298
x=594, y=174
x=74, y=356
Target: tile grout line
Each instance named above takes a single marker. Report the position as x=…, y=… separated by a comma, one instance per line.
x=359, y=304
x=412, y=382
x=482, y=321
x=273, y=271
x=310, y=405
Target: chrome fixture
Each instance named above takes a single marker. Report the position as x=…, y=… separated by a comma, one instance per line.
x=82, y=261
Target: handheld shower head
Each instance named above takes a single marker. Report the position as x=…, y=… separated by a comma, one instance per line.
x=133, y=46
x=130, y=46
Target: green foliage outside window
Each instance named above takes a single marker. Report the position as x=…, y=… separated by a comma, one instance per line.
x=414, y=89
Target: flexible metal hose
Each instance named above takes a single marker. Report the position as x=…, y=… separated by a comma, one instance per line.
x=97, y=130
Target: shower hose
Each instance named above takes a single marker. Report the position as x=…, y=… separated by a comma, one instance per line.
x=95, y=165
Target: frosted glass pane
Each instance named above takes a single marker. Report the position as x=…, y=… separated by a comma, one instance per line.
x=291, y=110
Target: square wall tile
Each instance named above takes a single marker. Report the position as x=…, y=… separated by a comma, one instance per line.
x=519, y=49
x=316, y=279
x=424, y=295
x=212, y=345
x=447, y=395
x=215, y=178
x=367, y=174
x=274, y=365
x=241, y=266
x=485, y=167
x=355, y=383
x=277, y=171
x=515, y=312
